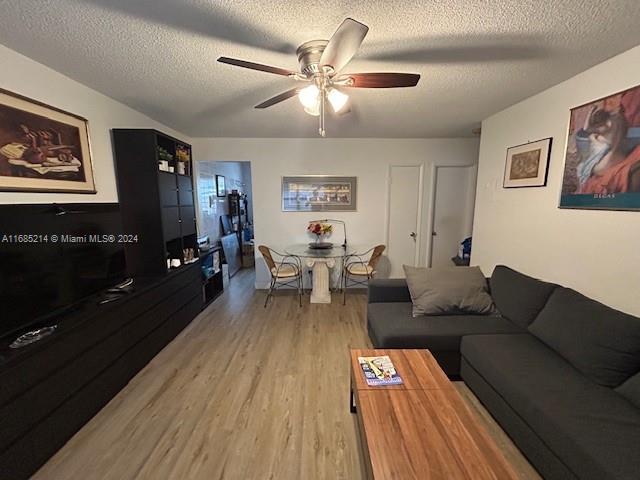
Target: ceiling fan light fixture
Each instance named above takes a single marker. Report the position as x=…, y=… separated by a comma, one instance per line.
x=320, y=62
x=313, y=111
x=337, y=99
x=309, y=97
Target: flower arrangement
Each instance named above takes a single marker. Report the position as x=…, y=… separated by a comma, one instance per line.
x=319, y=229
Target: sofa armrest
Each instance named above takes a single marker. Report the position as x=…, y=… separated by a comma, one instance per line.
x=387, y=290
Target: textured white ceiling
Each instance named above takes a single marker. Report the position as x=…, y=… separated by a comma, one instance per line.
x=475, y=57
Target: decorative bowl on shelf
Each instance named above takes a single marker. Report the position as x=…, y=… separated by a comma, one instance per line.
x=32, y=336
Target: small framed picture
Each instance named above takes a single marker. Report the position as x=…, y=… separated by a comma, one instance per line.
x=220, y=187
x=527, y=165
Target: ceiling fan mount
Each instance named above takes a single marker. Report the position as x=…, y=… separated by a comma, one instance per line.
x=309, y=54
x=321, y=62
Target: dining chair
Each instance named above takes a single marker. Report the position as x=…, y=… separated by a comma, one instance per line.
x=286, y=272
x=358, y=270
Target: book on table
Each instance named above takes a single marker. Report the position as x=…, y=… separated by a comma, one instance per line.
x=379, y=371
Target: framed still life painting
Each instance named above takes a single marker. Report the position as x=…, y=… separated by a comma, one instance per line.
x=319, y=193
x=602, y=161
x=42, y=148
x=527, y=165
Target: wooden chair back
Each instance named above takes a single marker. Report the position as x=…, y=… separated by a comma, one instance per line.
x=375, y=256
x=268, y=258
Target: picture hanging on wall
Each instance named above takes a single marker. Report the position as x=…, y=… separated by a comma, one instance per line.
x=602, y=161
x=319, y=193
x=527, y=164
x=221, y=190
x=43, y=148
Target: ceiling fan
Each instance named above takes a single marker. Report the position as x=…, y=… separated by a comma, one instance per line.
x=321, y=62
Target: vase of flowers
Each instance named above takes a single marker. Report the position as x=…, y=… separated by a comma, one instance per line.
x=320, y=230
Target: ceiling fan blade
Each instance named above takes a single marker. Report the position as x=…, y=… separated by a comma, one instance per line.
x=279, y=98
x=379, y=80
x=256, y=66
x=344, y=44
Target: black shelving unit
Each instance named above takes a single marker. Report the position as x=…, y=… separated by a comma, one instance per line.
x=51, y=388
x=238, y=214
x=158, y=206
x=212, y=284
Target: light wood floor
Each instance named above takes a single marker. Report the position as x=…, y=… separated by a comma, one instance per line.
x=243, y=393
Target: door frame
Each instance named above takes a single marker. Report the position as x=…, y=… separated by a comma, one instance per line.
x=387, y=221
x=432, y=202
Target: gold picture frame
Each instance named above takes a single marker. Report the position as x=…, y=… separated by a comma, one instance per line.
x=43, y=148
x=527, y=165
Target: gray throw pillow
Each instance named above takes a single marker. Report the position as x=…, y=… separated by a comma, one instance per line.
x=446, y=291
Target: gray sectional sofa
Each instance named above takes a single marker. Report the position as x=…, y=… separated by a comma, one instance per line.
x=560, y=372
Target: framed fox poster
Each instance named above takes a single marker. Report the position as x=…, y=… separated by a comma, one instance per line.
x=602, y=161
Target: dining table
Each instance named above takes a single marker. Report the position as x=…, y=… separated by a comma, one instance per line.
x=320, y=260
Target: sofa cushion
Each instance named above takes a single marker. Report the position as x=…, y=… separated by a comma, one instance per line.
x=393, y=326
x=592, y=429
x=601, y=342
x=518, y=297
x=388, y=290
x=631, y=389
x=446, y=291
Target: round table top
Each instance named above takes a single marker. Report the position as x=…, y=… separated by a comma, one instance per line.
x=303, y=250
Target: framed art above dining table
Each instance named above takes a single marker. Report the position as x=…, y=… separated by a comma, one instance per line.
x=319, y=193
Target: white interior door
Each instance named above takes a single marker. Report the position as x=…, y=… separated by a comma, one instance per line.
x=404, y=210
x=452, y=212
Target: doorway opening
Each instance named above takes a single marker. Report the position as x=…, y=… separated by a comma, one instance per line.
x=225, y=213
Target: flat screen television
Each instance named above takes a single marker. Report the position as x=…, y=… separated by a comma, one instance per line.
x=54, y=256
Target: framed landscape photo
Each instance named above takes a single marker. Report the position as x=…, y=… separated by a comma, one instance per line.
x=43, y=148
x=527, y=165
x=319, y=193
x=221, y=190
x=602, y=161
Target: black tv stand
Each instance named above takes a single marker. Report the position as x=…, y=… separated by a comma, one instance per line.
x=51, y=388
x=109, y=299
x=128, y=283
x=33, y=336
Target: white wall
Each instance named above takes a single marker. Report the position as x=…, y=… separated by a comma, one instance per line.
x=34, y=80
x=595, y=252
x=368, y=159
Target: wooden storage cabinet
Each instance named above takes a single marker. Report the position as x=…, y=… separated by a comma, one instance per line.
x=156, y=205
x=50, y=389
x=171, y=224
x=168, y=189
x=187, y=220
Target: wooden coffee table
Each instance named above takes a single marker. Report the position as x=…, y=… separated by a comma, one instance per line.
x=421, y=429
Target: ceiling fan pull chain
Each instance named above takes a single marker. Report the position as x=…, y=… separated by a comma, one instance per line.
x=322, y=108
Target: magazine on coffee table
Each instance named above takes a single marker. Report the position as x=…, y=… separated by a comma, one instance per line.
x=379, y=371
